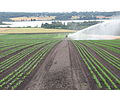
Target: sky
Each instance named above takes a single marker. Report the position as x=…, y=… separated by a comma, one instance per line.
x=58, y=5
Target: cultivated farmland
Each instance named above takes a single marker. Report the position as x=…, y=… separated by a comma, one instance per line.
x=52, y=62
x=102, y=62
x=32, y=30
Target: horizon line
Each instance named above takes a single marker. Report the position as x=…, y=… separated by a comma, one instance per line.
x=54, y=12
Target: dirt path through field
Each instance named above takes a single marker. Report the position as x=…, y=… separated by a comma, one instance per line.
x=57, y=72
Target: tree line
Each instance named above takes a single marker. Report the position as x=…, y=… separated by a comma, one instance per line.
x=69, y=25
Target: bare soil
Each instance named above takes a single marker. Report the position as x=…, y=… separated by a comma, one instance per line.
x=61, y=70
x=113, y=53
x=16, y=52
x=1, y=51
x=111, y=68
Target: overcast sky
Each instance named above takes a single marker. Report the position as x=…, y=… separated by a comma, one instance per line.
x=58, y=5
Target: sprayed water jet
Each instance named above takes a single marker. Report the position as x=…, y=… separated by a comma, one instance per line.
x=102, y=31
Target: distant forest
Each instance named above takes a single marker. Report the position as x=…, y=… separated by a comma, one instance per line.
x=4, y=16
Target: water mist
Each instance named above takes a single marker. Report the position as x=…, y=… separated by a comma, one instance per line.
x=107, y=30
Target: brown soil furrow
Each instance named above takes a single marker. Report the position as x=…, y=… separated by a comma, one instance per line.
x=7, y=71
x=41, y=70
x=113, y=53
x=16, y=52
x=79, y=78
x=104, y=63
x=110, y=45
x=10, y=48
x=63, y=69
x=55, y=72
x=91, y=82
